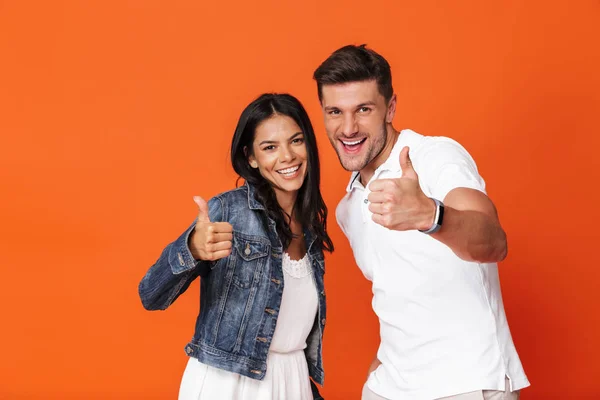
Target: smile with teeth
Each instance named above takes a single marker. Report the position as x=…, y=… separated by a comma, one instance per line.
x=352, y=143
x=289, y=171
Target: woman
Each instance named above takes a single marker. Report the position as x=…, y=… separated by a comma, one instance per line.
x=259, y=252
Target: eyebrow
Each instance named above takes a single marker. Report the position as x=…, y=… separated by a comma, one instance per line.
x=273, y=141
x=367, y=103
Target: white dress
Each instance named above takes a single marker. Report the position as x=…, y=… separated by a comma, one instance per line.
x=287, y=375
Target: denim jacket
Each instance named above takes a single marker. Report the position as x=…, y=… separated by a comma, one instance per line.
x=240, y=295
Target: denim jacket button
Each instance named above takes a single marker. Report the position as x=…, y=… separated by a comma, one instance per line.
x=180, y=257
x=255, y=371
x=262, y=339
x=323, y=321
x=188, y=350
x=276, y=281
x=270, y=311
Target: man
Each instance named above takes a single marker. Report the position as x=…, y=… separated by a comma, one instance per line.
x=424, y=232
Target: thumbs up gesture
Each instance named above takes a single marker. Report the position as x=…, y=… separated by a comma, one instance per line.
x=209, y=241
x=400, y=204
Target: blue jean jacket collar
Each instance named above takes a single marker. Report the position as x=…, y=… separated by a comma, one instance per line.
x=254, y=204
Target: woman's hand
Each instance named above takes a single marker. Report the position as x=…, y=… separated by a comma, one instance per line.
x=209, y=241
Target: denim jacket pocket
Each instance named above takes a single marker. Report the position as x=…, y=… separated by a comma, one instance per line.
x=249, y=253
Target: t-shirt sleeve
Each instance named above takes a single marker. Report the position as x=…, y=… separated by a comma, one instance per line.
x=446, y=165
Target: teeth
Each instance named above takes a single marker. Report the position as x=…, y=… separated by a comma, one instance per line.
x=352, y=143
x=289, y=170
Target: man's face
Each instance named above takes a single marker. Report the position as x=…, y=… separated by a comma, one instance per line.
x=355, y=120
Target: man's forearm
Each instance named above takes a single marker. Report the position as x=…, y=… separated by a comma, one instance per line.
x=472, y=235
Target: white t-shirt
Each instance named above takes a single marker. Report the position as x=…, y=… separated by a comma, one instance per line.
x=442, y=323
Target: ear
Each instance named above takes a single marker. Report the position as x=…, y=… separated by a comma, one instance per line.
x=251, y=159
x=391, y=110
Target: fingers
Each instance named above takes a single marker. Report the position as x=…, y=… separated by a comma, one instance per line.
x=378, y=197
x=222, y=227
x=202, y=209
x=214, y=247
x=380, y=202
x=382, y=185
x=216, y=251
x=377, y=185
x=380, y=219
x=220, y=237
x=217, y=255
x=406, y=165
x=379, y=208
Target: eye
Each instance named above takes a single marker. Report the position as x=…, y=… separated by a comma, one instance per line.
x=298, y=141
x=364, y=110
x=334, y=112
x=268, y=148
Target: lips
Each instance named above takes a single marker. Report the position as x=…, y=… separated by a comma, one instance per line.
x=352, y=146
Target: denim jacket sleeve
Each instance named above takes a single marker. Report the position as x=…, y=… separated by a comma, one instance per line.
x=176, y=268
x=315, y=391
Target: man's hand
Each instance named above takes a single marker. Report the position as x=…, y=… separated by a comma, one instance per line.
x=209, y=241
x=400, y=204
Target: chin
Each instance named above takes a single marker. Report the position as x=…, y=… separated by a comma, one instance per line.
x=291, y=188
x=351, y=164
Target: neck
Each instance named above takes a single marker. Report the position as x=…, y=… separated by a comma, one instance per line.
x=286, y=200
x=390, y=140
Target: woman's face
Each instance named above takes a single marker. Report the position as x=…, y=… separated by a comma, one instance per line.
x=279, y=153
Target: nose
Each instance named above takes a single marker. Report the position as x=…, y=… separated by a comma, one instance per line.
x=349, y=126
x=287, y=154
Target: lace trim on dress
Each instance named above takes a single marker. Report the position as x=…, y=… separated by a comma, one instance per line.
x=296, y=268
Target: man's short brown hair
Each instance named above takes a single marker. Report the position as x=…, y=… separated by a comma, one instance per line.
x=354, y=64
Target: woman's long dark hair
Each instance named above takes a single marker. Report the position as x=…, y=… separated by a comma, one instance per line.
x=310, y=208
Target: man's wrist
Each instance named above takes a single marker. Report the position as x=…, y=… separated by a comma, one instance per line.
x=428, y=216
x=437, y=219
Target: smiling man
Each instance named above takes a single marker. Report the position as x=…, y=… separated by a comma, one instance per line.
x=423, y=230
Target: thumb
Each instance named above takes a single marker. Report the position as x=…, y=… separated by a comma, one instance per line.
x=202, y=209
x=406, y=165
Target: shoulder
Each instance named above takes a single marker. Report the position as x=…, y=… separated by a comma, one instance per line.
x=430, y=153
x=438, y=148
x=233, y=196
x=222, y=205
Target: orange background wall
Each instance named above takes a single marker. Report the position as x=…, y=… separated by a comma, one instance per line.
x=113, y=114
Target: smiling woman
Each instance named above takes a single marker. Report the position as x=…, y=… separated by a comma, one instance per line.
x=259, y=251
x=279, y=153
x=274, y=133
